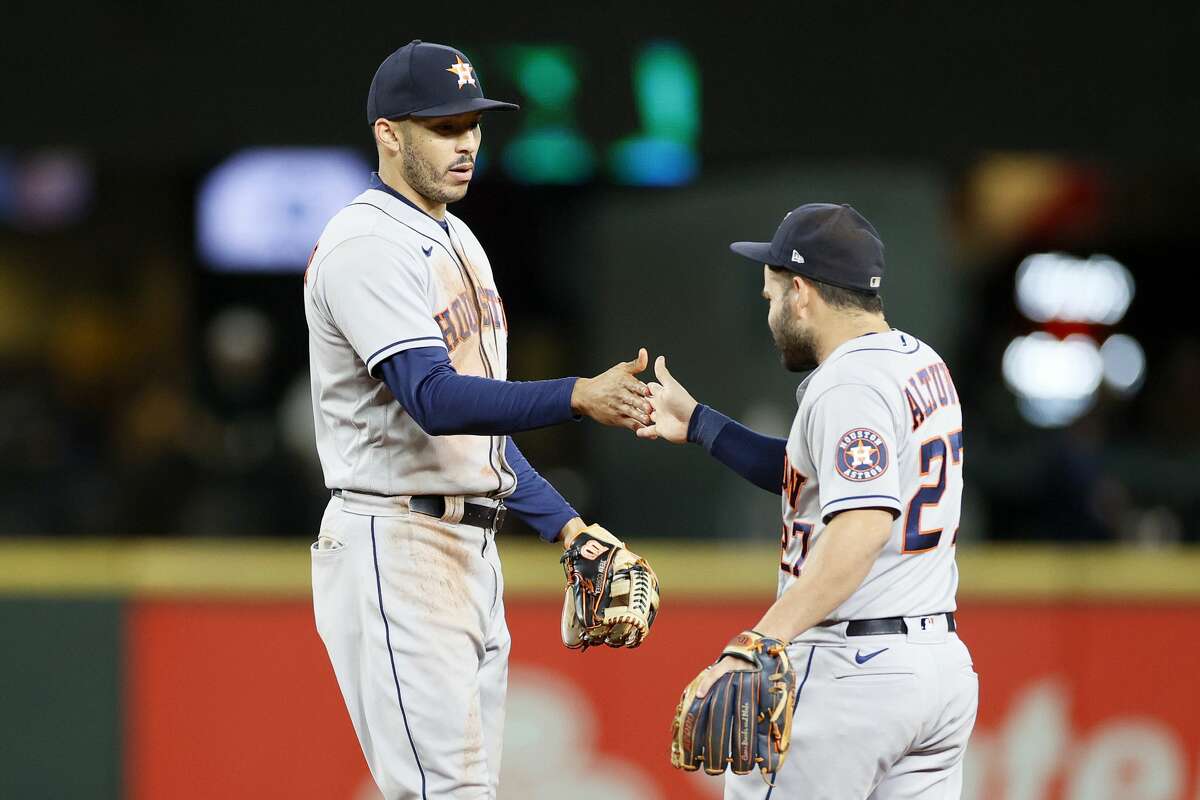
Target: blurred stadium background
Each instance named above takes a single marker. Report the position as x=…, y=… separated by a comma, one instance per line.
x=165, y=170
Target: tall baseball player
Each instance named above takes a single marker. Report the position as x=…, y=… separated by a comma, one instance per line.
x=884, y=690
x=407, y=344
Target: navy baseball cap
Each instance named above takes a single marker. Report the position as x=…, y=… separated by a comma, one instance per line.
x=830, y=243
x=423, y=79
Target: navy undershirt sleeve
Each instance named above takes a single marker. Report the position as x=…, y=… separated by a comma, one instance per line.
x=535, y=501
x=443, y=402
x=757, y=458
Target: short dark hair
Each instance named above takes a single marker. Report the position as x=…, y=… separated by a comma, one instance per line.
x=837, y=297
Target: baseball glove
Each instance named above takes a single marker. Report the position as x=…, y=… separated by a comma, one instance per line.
x=611, y=596
x=745, y=719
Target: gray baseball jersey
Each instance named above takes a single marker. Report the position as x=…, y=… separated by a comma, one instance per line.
x=885, y=716
x=384, y=278
x=879, y=426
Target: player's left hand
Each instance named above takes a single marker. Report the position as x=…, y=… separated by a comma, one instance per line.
x=737, y=714
x=612, y=593
x=711, y=674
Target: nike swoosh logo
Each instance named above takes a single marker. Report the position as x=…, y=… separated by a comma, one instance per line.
x=861, y=659
x=428, y=251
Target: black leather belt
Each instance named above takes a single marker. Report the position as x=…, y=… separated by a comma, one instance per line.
x=876, y=627
x=480, y=516
x=474, y=514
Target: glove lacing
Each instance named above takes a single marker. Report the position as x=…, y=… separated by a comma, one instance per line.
x=639, y=592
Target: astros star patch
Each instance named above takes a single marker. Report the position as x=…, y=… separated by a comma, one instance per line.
x=463, y=70
x=861, y=455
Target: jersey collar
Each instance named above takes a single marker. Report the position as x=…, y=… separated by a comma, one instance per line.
x=377, y=183
x=894, y=340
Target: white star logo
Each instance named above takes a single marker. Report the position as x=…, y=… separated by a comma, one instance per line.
x=463, y=70
x=863, y=455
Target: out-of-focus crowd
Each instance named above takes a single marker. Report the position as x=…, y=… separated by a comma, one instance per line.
x=142, y=394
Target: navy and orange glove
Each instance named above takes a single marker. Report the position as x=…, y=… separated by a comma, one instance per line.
x=744, y=719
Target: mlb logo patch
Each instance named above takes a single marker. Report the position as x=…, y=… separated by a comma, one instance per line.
x=875, y=281
x=861, y=455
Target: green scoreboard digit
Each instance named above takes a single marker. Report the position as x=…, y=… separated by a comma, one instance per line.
x=550, y=147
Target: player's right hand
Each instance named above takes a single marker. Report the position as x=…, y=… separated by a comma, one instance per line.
x=615, y=397
x=673, y=407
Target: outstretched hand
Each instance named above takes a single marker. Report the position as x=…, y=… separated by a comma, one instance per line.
x=672, y=407
x=615, y=397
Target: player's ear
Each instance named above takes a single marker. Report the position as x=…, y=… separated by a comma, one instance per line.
x=386, y=136
x=801, y=290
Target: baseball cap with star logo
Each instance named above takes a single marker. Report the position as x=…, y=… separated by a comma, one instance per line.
x=423, y=79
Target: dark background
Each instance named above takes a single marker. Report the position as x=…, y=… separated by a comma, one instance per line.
x=972, y=135
x=153, y=82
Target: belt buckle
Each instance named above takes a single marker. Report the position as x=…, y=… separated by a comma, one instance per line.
x=498, y=520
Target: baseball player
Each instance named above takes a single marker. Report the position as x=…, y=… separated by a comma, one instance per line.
x=407, y=344
x=871, y=485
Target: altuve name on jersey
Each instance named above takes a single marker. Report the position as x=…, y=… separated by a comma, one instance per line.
x=928, y=390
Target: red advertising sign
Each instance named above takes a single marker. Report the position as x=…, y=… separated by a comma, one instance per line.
x=232, y=700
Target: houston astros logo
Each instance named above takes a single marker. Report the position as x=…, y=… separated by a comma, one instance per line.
x=463, y=70
x=861, y=455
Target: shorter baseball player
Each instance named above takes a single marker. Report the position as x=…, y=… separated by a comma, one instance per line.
x=862, y=637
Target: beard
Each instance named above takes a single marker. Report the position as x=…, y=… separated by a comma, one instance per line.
x=797, y=346
x=426, y=180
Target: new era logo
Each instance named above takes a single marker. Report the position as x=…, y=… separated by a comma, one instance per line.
x=875, y=282
x=797, y=258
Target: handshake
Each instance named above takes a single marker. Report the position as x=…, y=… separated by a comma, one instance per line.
x=616, y=397
x=612, y=593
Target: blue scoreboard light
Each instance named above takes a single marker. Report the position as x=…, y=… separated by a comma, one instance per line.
x=261, y=209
